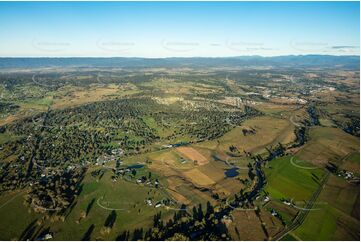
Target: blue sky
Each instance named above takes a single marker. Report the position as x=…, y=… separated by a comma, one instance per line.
x=165, y=29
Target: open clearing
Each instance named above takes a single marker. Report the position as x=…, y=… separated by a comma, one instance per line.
x=198, y=177
x=268, y=131
x=289, y=182
x=340, y=214
x=246, y=225
x=193, y=154
x=119, y=195
x=328, y=145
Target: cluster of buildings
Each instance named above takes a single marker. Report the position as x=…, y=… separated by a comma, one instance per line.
x=174, y=145
x=109, y=157
x=148, y=182
x=348, y=175
x=150, y=203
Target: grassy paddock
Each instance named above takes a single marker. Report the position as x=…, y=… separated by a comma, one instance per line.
x=339, y=202
x=284, y=180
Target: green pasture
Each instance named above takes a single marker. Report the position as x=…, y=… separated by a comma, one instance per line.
x=284, y=180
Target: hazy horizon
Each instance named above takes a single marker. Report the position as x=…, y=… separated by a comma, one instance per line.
x=180, y=57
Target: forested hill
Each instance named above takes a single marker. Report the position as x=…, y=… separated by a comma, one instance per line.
x=300, y=61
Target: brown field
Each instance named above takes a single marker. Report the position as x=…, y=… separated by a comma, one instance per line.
x=26, y=110
x=249, y=225
x=163, y=169
x=172, y=189
x=193, y=154
x=183, y=179
x=171, y=158
x=341, y=194
x=328, y=145
x=79, y=97
x=268, y=107
x=8, y=119
x=352, y=163
x=228, y=187
x=213, y=170
x=185, y=192
x=288, y=213
x=197, y=177
x=269, y=131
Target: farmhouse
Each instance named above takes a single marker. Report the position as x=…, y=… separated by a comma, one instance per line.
x=287, y=203
x=45, y=237
x=149, y=202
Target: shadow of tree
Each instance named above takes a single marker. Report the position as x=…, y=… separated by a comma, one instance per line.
x=29, y=231
x=109, y=222
x=88, y=233
x=71, y=208
x=89, y=207
x=41, y=235
x=123, y=236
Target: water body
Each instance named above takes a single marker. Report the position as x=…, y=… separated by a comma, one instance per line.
x=137, y=166
x=232, y=172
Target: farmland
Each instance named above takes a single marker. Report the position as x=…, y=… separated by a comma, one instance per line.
x=194, y=153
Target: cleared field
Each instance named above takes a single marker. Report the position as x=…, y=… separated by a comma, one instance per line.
x=197, y=177
x=268, y=131
x=15, y=217
x=172, y=187
x=352, y=163
x=327, y=122
x=214, y=170
x=228, y=187
x=193, y=154
x=246, y=225
x=173, y=159
x=284, y=180
x=339, y=214
x=81, y=96
x=327, y=145
x=99, y=198
x=195, y=196
x=287, y=212
x=183, y=178
x=273, y=108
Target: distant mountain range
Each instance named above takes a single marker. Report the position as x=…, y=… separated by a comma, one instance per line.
x=299, y=61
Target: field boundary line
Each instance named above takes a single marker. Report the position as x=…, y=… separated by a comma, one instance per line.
x=302, y=167
x=301, y=216
x=8, y=201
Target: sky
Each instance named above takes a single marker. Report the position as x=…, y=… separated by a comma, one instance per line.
x=178, y=29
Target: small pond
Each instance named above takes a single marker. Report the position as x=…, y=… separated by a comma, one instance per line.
x=232, y=172
x=137, y=166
